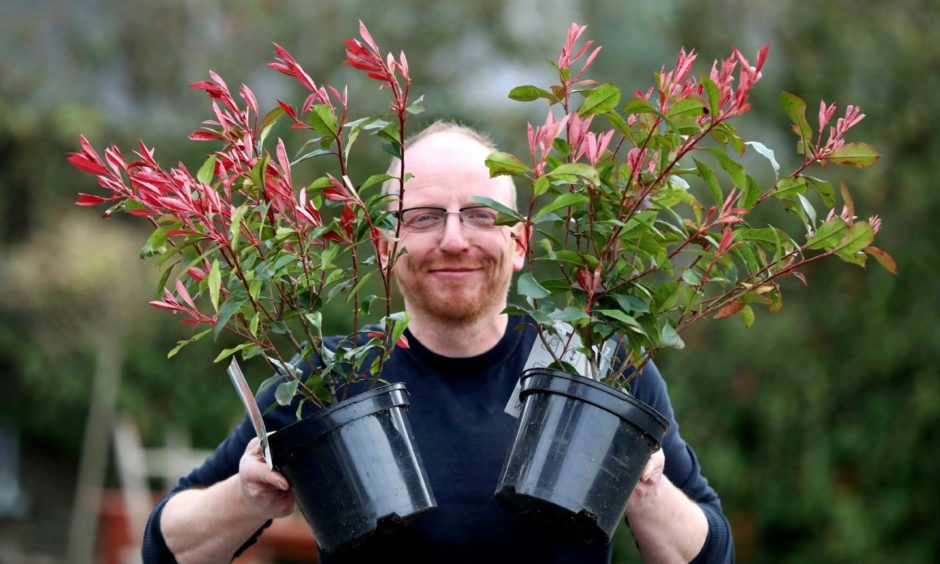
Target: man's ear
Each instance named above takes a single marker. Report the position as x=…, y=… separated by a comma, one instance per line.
x=520, y=236
x=384, y=248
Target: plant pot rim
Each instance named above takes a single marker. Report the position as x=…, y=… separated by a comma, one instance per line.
x=625, y=406
x=312, y=427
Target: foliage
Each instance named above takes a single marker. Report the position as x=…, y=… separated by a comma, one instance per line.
x=260, y=255
x=815, y=426
x=633, y=249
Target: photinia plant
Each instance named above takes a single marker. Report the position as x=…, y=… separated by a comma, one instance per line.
x=640, y=227
x=249, y=251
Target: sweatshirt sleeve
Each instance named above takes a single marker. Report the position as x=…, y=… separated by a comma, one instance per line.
x=219, y=466
x=683, y=469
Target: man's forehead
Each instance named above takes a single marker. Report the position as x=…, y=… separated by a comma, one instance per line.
x=458, y=150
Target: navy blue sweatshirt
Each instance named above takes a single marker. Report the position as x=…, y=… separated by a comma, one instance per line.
x=463, y=434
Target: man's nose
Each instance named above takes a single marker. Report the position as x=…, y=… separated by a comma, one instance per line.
x=453, y=236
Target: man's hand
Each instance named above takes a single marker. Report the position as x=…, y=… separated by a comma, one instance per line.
x=647, y=489
x=667, y=525
x=209, y=525
x=265, y=491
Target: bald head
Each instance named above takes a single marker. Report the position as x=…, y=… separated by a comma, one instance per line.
x=446, y=149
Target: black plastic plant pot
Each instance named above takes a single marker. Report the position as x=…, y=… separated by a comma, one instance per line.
x=579, y=452
x=354, y=468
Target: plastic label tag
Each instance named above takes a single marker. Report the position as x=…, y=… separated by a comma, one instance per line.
x=251, y=406
x=540, y=357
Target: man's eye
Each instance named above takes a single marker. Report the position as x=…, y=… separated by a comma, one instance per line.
x=481, y=216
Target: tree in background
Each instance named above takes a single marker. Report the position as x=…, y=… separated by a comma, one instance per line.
x=822, y=448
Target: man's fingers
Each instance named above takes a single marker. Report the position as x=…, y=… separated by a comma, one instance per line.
x=654, y=464
x=277, y=480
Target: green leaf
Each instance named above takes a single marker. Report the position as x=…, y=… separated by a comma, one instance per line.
x=601, y=99
x=859, y=155
x=686, y=107
x=825, y=190
x=622, y=317
x=323, y=120
x=570, y=314
x=362, y=282
x=630, y=303
x=751, y=194
x=565, y=200
x=788, y=188
x=235, y=227
x=827, y=234
x=691, y=277
x=214, y=280
x=375, y=179
x=393, y=148
x=671, y=338
x=809, y=209
x=417, y=106
x=226, y=311
x=508, y=216
x=711, y=181
x=206, y=171
x=528, y=93
x=768, y=154
x=312, y=154
x=181, y=344
x=229, y=352
x=400, y=320
x=747, y=316
x=619, y=124
x=795, y=108
x=733, y=168
x=501, y=163
x=284, y=393
x=267, y=122
x=156, y=242
x=859, y=236
x=529, y=287
x=541, y=186
x=638, y=106
x=714, y=96
x=571, y=172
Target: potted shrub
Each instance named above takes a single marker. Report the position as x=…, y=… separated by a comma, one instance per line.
x=248, y=249
x=641, y=223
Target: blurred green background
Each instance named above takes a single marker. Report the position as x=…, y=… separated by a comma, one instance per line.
x=819, y=426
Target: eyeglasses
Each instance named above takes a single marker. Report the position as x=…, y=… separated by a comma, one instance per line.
x=424, y=219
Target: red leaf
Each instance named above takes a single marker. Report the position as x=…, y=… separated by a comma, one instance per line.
x=729, y=310
x=204, y=135
x=402, y=342
x=249, y=97
x=347, y=218
x=184, y=294
x=726, y=237
x=164, y=305
x=884, y=259
x=364, y=32
x=90, y=200
x=337, y=193
x=196, y=273
x=288, y=109
x=85, y=164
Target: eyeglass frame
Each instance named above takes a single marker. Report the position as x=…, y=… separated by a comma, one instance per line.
x=444, y=213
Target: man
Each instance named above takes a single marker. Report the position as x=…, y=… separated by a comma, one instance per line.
x=464, y=358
